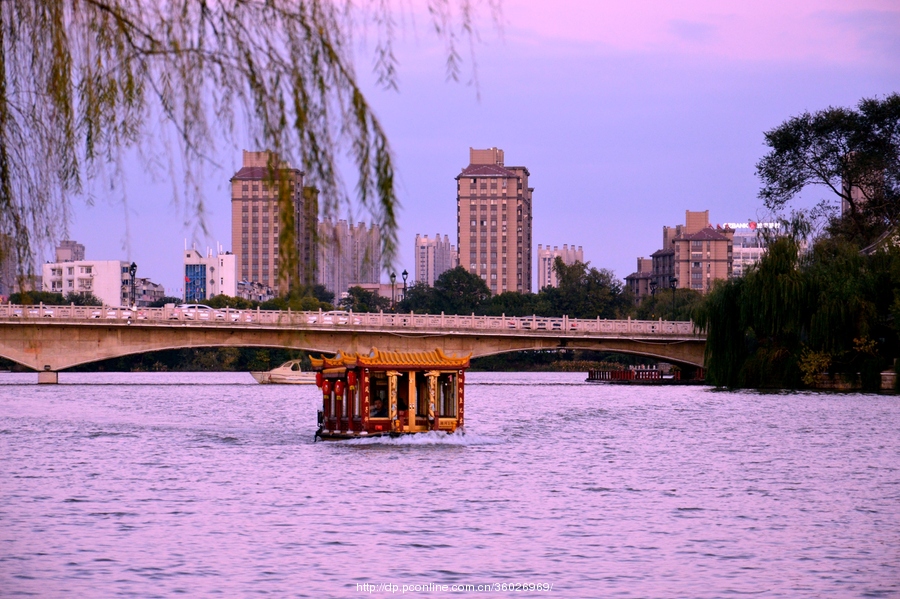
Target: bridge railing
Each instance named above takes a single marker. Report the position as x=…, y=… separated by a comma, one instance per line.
x=339, y=319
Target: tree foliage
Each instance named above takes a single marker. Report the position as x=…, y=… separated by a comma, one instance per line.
x=796, y=314
x=361, y=300
x=584, y=292
x=855, y=154
x=457, y=291
x=82, y=82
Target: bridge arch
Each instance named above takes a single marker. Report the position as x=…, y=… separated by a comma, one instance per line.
x=67, y=340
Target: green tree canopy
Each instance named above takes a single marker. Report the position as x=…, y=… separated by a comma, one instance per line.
x=420, y=298
x=457, y=291
x=585, y=292
x=168, y=299
x=361, y=300
x=855, y=154
x=796, y=314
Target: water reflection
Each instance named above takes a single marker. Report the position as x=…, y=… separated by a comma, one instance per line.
x=164, y=484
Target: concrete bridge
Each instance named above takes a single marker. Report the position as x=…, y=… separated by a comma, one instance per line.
x=52, y=338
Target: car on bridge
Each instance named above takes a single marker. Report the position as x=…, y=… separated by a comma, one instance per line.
x=196, y=312
x=33, y=312
x=333, y=317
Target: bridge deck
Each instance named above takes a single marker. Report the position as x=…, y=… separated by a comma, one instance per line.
x=528, y=325
x=52, y=338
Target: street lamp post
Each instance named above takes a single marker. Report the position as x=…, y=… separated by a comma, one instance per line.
x=673, y=282
x=404, y=274
x=393, y=280
x=132, y=270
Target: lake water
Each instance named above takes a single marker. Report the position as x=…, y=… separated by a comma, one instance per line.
x=155, y=485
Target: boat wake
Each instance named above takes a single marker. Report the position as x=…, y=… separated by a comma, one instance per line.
x=458, y=438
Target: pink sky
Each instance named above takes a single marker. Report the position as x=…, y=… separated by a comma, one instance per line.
x=785, y=30
x=626, y=113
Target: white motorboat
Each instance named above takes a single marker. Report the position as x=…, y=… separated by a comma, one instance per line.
x=289, y=373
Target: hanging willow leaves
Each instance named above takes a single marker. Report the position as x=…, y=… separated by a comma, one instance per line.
x=84, y=81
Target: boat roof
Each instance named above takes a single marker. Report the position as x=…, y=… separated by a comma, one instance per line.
x=403, y=360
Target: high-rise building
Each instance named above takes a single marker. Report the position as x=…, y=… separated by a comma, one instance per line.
x=493, y=226
x=69, y=251
x=749, y=244
x=434, y=257
x=257, y=222
x=546, y=258
x=208, y=276
x=693, y=255
x=348, y=255
x=639, y=281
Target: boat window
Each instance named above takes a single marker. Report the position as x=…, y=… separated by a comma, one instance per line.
x=403, y=392
x=295, y=367
x=378, y=390
x=446, y=404
x=421, y=395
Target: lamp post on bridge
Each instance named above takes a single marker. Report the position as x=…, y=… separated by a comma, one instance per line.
x=132, y=270
x=393, y=280
x=404, y=274
x=673, y=282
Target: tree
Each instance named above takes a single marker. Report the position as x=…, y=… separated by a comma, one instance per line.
x=457, y=291
x=420, y=298
x=222, y=301
x=361, y=300
x=796, y=314
x=513, y=303
x=82, y=82
x=661, y=305
x=853, y=153
x=37, y=297
x=168, y=299
x=82, y=299
x=584, y=292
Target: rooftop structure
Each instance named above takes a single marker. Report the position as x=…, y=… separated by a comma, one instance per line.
x=494, y=221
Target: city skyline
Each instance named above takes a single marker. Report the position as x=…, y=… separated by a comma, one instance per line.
x=625, y=126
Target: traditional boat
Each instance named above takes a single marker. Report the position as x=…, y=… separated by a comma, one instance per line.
x=389, y=393
x=289, y=373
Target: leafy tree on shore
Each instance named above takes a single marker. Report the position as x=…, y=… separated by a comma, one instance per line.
x=37, y=297
x=668, y=306
x=796, y=315
x=168, y=299
x=855, y=154
x=420, y=298
x=457, y=291
x=222, y=301
x=585, y=292
x=361, y=300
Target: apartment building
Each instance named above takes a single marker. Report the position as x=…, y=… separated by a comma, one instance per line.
x=348, y=255
x=107, y=280
x=257, y=219
x=639, y=281
x=434, y=257
x=209, y=275
x=494, y=221
x=693, y=256
x=546, y=258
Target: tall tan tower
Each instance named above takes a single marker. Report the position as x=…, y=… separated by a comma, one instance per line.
x=256, y=224
x=493, y=222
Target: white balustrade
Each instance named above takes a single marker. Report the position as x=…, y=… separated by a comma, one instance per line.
x=513, y=325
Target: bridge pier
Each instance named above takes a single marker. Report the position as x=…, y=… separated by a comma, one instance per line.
x=48, y=377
